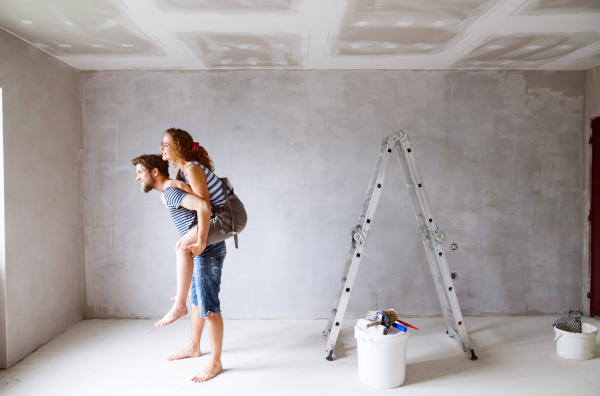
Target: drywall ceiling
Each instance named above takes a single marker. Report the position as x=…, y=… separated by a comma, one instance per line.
x=311, y=34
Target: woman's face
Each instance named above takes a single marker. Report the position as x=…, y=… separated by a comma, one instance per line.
x=166, y=148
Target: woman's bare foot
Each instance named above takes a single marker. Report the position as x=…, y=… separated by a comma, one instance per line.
x=171, y=316
x=209, y=372
x=187, y=352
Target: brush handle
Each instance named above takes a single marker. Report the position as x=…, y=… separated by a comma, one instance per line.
x=373, y=324
x=406, y=324
x=399, y=327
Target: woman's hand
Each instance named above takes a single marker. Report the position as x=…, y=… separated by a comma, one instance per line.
x=171, y=183
x=180, y=185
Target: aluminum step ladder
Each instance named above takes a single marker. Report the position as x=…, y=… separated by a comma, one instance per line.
x=432, y=241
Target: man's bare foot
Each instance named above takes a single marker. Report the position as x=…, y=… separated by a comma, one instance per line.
x=209, y=372
x=187, y=352
x=171, y=316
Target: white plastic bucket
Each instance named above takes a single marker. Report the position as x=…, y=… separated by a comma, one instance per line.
x=381, y=358
x=576, y=346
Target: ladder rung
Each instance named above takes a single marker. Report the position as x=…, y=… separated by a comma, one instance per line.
x=449, y=313
x=452, y=333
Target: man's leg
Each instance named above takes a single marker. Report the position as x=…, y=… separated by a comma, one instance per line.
x=215, y=332
x=208, y=286
x=193, y=348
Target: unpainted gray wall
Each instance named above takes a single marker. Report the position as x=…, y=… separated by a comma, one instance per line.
x=44, y=267
x=500, y=154
x=592, y=110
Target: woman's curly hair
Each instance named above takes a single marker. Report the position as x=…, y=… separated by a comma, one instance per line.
x=182, y=148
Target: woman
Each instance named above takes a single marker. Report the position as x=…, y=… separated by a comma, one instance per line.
x=228, y=217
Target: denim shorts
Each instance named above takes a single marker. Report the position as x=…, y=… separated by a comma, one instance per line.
x=206, y=279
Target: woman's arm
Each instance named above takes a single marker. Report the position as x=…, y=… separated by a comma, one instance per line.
x=197, y=179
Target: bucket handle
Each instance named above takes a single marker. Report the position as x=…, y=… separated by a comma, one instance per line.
x=558, y=335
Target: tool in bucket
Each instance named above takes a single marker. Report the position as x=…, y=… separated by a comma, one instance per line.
x=569, y=323
x=432, y=241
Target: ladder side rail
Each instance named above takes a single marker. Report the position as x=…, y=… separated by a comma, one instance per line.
x=449, y=318
x=352, y=252
x=461, y=328
x=338, y=296
x=425, y=206
x=358, y=243
x=449, y=295
x=420, y=186
x=380, y=164
x=345, y=298
x=366, y=219
x=427, y=242
x=441, y=259
x=433, y=265
x=410, y=184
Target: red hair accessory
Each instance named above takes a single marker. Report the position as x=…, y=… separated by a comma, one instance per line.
x=196, y=146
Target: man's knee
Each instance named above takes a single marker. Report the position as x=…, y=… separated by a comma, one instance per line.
x=213, y=316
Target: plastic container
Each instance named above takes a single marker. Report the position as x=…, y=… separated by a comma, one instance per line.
x=576, y=346
x=381, y=358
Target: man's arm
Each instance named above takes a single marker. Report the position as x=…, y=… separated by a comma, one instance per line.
x=203, y=209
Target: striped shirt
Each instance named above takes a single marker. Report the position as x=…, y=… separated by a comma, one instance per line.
x=183, y=218
x=215, y=189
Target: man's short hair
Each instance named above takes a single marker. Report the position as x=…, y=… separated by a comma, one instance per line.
x=151, y=161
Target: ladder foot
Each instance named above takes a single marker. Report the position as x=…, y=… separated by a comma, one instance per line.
x=472, y=355
x=330, y=357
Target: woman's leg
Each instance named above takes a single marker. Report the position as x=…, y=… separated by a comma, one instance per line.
x=185, y=267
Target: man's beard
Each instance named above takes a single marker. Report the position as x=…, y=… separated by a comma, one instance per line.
x=147, y=186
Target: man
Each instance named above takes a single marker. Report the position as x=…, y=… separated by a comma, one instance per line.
x=153, y=173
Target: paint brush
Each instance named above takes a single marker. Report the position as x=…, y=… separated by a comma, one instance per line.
x=391, y=314
x=375, y=319
x=406, y=324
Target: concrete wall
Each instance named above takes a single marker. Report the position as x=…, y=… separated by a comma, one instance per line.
x=500, y=153
x=44, y=266
x=592, y=110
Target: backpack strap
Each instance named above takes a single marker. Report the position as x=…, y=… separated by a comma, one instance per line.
x=225, y=182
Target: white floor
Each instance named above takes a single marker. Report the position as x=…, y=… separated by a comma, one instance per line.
x=517, y=356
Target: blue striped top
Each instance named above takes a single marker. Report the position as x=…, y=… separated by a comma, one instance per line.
x=183, y=218
x=215, y=189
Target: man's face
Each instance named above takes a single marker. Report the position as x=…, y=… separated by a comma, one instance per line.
x=144, y=177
